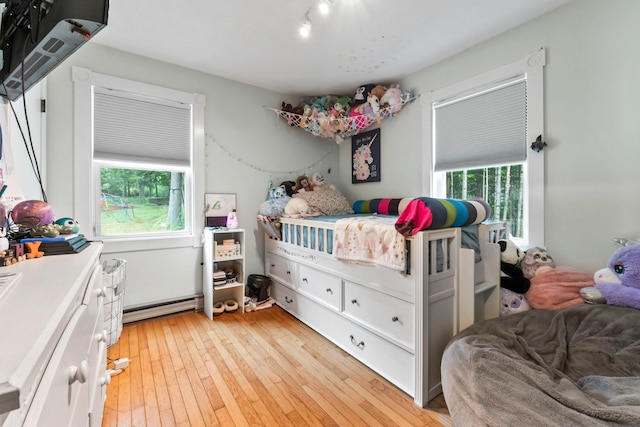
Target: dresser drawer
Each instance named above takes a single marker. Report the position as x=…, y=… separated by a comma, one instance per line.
x=320, y=286
x=282, y=269
x=380, y=312
x=62, y=397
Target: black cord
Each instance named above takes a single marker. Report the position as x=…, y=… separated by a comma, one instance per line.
x=28, y=145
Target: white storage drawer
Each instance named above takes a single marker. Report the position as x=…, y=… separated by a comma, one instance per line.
x=286, y=297
x=389, y=316
x=320, y=286
x=389, y=360
x=282, y=269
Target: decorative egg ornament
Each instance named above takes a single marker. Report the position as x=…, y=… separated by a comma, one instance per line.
x=32, y=213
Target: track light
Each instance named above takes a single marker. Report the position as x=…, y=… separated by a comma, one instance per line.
x=324, y=7
x=305, y=28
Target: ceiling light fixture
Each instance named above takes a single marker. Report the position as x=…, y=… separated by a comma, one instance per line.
x=305, y=28
x=323, y=6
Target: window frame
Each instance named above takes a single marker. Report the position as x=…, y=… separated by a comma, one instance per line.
x=531, y=66
x=85, y=166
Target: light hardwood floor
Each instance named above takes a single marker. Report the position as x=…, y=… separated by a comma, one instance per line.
x=252, y=369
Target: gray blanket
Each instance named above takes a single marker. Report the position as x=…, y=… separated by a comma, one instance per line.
x=579, y=366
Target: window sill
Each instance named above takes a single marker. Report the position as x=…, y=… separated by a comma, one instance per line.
x=150, y=243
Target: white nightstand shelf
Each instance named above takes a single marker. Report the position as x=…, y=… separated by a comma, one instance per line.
x=223, y=250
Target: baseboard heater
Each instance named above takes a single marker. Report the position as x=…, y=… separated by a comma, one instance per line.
x=162, y=309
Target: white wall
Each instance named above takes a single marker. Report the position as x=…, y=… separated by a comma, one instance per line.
x=591, y=121
x=245, y=148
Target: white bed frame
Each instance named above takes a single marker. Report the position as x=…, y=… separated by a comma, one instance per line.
x=396, y=324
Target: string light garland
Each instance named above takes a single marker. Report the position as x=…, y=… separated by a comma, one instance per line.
x=273, y=173
x=322, y=6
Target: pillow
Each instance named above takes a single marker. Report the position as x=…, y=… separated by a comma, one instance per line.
x=326, y=201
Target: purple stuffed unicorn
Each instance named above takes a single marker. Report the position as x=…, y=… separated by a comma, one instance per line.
x=625, y=264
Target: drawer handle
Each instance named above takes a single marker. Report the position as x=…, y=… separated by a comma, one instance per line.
x=273, y=265
x=304, y=279
x=357, y=344
x=394, y=319
x=287, y=300
x=288, y=272
x=330, y=290
x=354, y=301
x=102, y=336
x=79, y=373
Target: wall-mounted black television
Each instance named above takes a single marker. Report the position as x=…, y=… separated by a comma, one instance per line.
x=40, y=34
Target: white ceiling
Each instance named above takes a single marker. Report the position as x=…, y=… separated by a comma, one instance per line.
x=361, y=41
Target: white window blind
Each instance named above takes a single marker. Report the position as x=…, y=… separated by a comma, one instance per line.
x=141, y=129
x=484, y=128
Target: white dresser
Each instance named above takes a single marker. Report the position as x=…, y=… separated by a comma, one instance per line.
x=53, y=342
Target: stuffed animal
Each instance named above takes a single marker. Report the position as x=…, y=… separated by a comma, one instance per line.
x=318, y=182
x=374, y=102
x=302, y=184
x=625, y=264
x=606, y=275
x=378, y=91
x=297, y=206
x=512, y=302
x=277, y=199
x=360, y=96
x=511, y=277
x=289, y=185
x=342, y=105
x=392, y=98
x=536, y=260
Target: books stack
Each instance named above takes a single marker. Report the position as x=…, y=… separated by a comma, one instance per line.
x=61, y=245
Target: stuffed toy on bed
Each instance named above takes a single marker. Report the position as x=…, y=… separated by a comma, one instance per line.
x=552, y=287
x=625, y=264
x=513, y=284
x=511, y=275
x=277, y=200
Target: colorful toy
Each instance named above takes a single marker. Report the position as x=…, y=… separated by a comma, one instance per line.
x=625, y=264
x=392, y=98
x=31, y=213
x=67, y=225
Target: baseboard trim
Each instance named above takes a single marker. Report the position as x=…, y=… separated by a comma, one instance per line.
x=157, y=310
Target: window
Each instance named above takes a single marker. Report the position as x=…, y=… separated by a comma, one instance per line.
x=143, y=148
x=480, y=130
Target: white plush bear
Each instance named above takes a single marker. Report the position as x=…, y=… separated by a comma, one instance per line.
x=297, y=206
